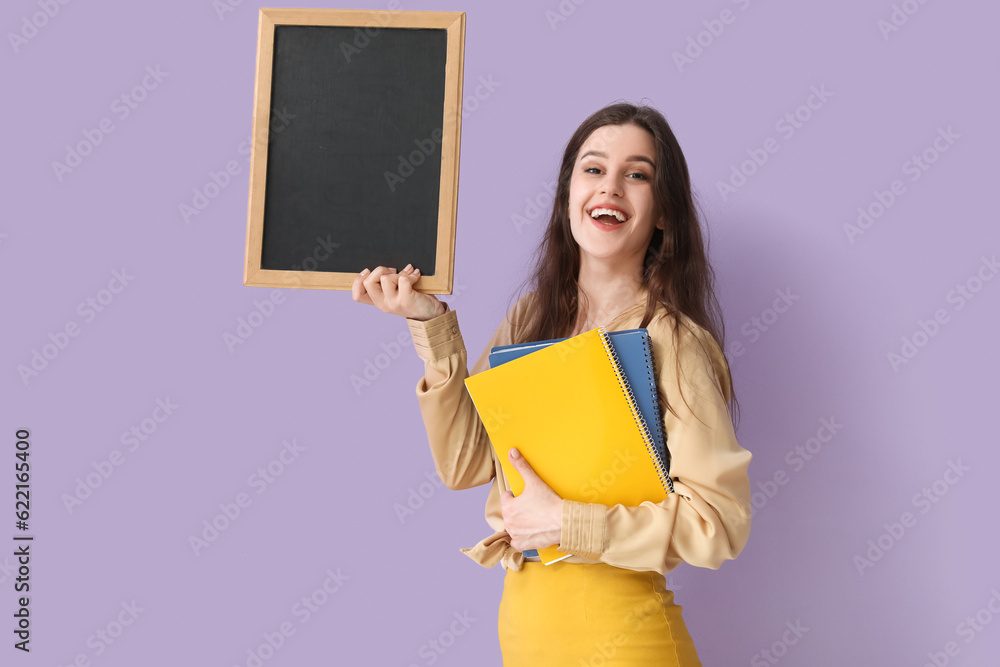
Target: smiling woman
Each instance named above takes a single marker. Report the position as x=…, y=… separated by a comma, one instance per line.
x=623, y=249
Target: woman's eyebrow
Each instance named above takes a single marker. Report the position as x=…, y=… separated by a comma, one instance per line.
x=630, y=158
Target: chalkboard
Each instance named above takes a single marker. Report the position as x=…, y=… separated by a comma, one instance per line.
x=354, y=163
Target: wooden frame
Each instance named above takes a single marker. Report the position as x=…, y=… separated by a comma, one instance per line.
x=454, y=25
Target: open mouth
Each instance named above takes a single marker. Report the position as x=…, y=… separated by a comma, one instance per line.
x=608, y=216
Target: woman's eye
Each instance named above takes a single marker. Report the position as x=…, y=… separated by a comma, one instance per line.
x=636, y=175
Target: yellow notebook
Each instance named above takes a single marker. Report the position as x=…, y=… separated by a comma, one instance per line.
x=569, y=410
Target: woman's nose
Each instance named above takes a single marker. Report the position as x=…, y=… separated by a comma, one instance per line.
x=611, y=185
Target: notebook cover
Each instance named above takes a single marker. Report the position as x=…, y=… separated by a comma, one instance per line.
x=561, y=406
x=635, y=354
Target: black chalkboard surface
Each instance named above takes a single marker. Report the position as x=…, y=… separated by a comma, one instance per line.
x=357, y=122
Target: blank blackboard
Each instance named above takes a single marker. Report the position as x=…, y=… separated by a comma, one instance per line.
x=359, y=168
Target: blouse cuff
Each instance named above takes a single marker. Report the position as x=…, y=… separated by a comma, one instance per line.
x=583, y=529
x=437, y=337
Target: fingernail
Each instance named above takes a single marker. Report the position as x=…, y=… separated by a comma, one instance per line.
x=416, y=270
x=365, y=272
x=514, y=453
x=407, y=267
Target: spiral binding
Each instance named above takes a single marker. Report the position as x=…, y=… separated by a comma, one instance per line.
x=636, y=413
x=651, y=366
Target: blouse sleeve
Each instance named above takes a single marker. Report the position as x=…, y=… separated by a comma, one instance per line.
x=705, y=521
x=460, y=446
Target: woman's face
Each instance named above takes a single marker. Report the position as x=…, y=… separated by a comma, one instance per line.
x=612, y=210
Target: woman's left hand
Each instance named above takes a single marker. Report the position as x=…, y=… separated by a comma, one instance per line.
x=533, y=519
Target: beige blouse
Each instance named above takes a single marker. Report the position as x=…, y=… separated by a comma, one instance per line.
x=707, y=520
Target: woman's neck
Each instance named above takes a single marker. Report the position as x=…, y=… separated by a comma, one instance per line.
x=601, y=300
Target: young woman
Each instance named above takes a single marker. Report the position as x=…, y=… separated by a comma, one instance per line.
x=623, y=249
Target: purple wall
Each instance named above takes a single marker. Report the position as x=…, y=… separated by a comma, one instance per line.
x=872, y=536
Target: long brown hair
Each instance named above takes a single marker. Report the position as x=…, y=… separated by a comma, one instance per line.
x=676, y=271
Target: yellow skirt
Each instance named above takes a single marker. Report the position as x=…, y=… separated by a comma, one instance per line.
x=591, y=615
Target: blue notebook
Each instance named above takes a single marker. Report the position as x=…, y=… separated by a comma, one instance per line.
x=635, y=354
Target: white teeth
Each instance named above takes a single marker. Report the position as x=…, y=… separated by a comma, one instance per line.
x=607, y=211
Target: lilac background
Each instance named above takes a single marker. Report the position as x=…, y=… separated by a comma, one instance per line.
x=365, y=452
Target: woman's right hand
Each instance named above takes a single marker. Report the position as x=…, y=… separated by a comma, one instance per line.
x=393, y=293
